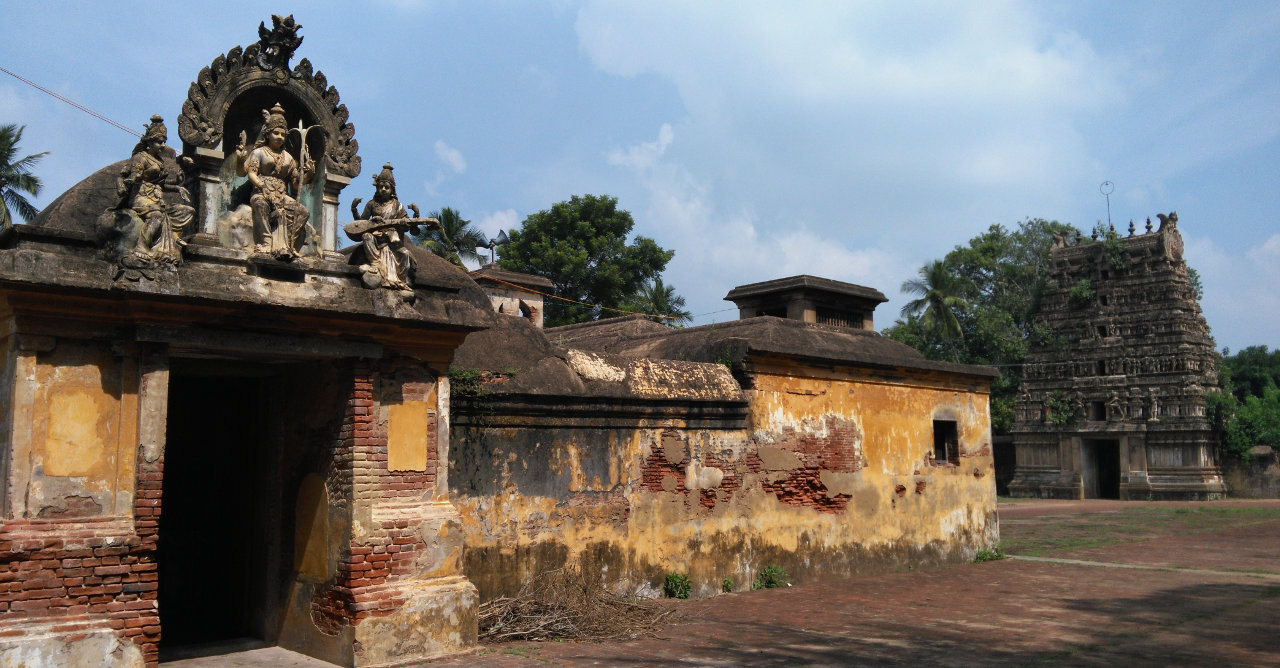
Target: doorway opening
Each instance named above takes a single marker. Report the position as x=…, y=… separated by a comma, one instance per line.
x=214, y=511
x=1100, y=468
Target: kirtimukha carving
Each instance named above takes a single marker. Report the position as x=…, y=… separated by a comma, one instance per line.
x=279, y=219
x=154, y=203
x=381, y=229
x=276, y=46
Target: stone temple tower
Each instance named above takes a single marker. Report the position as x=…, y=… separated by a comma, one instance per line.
x=1113, y=399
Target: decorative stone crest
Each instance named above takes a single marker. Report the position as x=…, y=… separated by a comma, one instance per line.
x=381, y=229
x=154, y=207
x=265, y=63
x=276, y=46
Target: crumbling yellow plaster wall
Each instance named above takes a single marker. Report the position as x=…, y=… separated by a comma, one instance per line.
x=73, y=429
x=833, y=477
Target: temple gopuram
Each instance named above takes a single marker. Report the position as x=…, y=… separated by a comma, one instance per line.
x=1113, y=398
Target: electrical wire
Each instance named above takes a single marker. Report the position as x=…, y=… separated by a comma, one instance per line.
x=71, y=102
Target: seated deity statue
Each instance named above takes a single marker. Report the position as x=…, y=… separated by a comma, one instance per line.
x=154, y=195
x=279, y=219
x=381, y=229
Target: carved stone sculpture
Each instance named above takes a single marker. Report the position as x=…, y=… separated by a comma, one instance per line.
x=153, y=204
x=279, y=219
x=276, y=46
x=381, y=228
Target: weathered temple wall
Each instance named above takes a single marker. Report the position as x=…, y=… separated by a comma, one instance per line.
x=1257, y=478
x=829, y=475
x=78, y=577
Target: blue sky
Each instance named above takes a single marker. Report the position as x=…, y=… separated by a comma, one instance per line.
x=851, y=140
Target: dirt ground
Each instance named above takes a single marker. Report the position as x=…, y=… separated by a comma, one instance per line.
x=1087, y=583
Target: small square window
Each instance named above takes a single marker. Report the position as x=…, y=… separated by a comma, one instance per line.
x=1097, y=410
x=946, y=443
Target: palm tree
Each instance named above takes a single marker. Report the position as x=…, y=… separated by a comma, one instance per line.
x=16, y=177
x=658, y=299
x=456, y=240
x=939, y=298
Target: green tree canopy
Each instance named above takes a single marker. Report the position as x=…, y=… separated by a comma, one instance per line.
x=939, y=290
x=581, y=246
x=998, y=278
x=656, y=298
x=1251, y=372
x=456, y=240
x=16, y=177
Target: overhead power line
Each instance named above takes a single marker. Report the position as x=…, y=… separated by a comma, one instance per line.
x=71, y=102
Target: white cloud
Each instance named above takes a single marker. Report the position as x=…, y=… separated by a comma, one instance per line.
x=1240, y=301
x=492, y=223
x=642, y=156
x=451, y=157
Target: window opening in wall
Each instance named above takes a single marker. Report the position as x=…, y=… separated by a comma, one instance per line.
x=1102, y=330
x=946, y=442
x=1102, y=368
x=1097, y=410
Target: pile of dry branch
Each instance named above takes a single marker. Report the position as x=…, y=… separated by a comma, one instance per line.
x=565, y=604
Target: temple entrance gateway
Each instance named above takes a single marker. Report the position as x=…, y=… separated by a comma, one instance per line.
x=1100, y=468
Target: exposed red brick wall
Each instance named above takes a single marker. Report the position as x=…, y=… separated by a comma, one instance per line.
x=77, y=575
x=657, y=467
x=368, y=569
x=838, y=451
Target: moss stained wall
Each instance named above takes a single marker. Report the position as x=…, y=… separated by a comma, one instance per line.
x=830, y=476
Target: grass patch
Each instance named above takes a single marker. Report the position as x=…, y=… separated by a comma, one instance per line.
x=1048, y=535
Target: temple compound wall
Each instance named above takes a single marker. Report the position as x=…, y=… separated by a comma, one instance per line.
x=1113, y=399
x=215, y=423
x=633, y=450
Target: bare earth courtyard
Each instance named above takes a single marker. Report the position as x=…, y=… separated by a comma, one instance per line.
x=1088, y=583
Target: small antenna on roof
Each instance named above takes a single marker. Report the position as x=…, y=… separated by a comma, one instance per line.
x=1106, y=189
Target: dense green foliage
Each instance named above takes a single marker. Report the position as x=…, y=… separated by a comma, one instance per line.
x=660, y=302
x=770, y=577
x=677, y=585
x=998, y=278
x=1247, y=412
x=939, y=298
x=16, y=177
x=1251, y=372
x=456, y=240
x=581, y=246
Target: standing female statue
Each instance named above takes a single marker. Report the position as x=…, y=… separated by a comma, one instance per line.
x=143, y=183
x=278, y=218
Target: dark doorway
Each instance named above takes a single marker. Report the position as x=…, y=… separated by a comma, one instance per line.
x=213, y=510
x=1100, y=464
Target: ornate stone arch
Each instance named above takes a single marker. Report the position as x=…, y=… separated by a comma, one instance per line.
x=228, y=98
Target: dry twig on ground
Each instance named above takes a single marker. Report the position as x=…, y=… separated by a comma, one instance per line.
x=565, y=604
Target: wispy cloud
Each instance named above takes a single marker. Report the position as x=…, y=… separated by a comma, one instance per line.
x=451, y=157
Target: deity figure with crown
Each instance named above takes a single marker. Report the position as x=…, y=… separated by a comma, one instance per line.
x=279, y=219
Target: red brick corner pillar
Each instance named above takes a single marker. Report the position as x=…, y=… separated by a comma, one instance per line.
x=400, y=587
